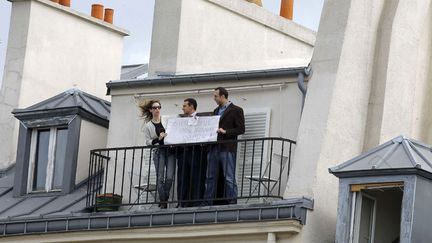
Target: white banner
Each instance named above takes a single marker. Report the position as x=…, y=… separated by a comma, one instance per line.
x=192, y=129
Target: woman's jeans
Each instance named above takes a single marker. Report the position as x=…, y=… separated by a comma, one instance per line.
x=164, y=161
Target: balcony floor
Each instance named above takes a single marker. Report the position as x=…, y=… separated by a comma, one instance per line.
x=293, y=210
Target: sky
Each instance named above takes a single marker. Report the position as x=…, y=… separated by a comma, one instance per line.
x=137, y=17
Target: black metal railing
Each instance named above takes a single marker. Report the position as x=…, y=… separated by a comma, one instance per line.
x=127, y=176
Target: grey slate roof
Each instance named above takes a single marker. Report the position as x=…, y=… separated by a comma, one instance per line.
x=398, y=155
x=35, y=205
x=135, y=71
x=288, y=209
x=72, y=98
x=72, y=101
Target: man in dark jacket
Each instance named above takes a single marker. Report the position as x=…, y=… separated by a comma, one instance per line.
x=231, y=124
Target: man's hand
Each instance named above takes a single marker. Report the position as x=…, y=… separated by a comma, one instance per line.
x=221, y=130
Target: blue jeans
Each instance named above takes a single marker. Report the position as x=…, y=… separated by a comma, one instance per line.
x=164, y=161
x=215, y=158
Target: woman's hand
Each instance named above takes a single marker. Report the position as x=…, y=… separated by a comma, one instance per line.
x=162, y=135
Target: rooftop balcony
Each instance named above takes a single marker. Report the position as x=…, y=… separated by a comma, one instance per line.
x=126, y=179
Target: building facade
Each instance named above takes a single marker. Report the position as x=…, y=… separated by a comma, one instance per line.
x=311, y=101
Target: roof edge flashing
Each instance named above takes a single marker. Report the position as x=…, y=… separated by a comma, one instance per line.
x=207, y=77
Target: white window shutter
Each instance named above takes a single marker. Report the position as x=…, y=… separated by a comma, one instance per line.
x=249, y=162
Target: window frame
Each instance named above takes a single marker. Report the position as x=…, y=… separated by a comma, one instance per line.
x=49, y=183
x=356, y=207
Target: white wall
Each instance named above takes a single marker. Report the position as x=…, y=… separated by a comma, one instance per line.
x=51, y=49
x=9, y=93
x=92, y=136
x=285, y=104
x=197, y=36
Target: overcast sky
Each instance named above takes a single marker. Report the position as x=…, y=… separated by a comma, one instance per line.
x=137, y=15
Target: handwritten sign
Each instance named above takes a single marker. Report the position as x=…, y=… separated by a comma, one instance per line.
x=192, y=129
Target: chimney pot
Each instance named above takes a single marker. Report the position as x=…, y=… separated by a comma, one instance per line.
x=257, y=2
x=66, y=3
x=97, y=11
x=287, y=9
x=109, y=15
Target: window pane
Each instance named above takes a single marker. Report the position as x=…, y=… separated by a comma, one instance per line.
x=59, y=159
x=41, y=161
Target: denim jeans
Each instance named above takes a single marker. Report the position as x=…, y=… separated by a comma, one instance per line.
x=227, y=159
x=164, y=161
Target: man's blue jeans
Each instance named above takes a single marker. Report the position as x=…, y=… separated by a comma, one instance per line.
x=215, y=157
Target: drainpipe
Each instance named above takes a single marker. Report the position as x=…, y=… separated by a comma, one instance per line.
x=301, y=84
x=271, y=237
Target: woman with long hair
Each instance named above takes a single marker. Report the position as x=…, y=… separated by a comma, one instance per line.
x=164, y=160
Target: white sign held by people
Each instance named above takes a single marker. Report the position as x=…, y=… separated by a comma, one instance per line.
x=196, y=129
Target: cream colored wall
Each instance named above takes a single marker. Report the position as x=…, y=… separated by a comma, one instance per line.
x=51, y=49
x=12, y=76
x=406, y=72
x=284, y=102
x=126, y=125
x=92, y=136
x=371, y=82
x=224, y=35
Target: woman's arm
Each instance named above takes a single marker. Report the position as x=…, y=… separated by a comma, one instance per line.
x=148, y=138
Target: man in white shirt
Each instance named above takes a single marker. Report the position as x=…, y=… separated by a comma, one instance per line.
x=190, y=175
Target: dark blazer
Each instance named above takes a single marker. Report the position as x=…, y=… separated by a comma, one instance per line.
x=233, y=121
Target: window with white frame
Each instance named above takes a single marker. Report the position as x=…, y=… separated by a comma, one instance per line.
x=47, y=159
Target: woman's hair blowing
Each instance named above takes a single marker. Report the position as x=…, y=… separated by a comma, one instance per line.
x=145, y=107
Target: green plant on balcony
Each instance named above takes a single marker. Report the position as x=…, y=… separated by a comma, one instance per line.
x=108, y=202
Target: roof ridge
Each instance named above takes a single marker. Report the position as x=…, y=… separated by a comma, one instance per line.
x=408, y=149
x=420, y=154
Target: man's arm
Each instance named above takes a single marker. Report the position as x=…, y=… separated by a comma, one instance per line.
x=239, y=123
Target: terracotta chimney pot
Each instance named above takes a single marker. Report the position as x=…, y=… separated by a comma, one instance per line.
x=97, y=11
x=56, y=1
x=287, y=9
x=66, y=3
x=109, y=15
x=257, y=2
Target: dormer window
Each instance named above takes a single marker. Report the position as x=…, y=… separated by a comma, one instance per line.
x=47, y=158
x=54, y=142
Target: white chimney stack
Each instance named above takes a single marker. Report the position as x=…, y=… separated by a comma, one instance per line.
x=52, y=48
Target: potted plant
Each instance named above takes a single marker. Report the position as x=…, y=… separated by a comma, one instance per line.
x=108, y=202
